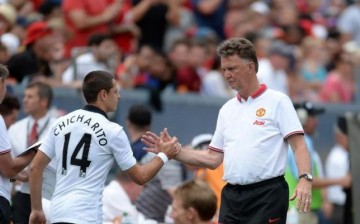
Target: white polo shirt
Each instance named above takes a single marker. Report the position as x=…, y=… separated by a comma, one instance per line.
x=252, y=135
x=5, y=185
x=84, y=144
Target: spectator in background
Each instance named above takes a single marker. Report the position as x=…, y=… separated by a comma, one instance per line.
x=214, y=178
x=210, y=13
x=194, y=203
x=125, y=33
x=135, y=69
x=37, y=102
x=185, y=77
x=273, y=69
x=35, y=59
x=83, y=18
x=9, y=45
x=179, y=30
x=103, y=54
x=338, y=166
x=158, y=193
x=312, y=68
x=138, y=123
x=348, y=23
x=8, y=16
x=340, y=85
x=9, y=109
x=119, y=197
x=213, y=84
x=160, y=12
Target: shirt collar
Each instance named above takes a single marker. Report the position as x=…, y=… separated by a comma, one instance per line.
x=256, y=94
x=41, y=122
x=95, y=109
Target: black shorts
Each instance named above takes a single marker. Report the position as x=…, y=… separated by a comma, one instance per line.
x=5, y=211
x=263, y=202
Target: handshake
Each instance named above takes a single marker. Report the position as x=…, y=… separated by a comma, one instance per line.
x=163, y=144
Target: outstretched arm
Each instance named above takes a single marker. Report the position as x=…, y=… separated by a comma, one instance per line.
x=204, y=158
x=141, y=174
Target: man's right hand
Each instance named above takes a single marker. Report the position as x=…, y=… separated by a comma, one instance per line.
x=170, y=146
x=37, y=217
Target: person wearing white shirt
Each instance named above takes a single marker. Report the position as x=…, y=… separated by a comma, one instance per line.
x=36, y=104
x=251, y=138
x=85, y=144
x=118, y=198
x=337, y=166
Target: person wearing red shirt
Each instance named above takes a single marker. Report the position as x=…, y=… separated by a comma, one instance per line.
x=86, y=17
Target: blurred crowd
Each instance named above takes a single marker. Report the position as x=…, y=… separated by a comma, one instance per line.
x=308, y=49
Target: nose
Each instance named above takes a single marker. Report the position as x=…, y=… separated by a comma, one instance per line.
x=227, y=74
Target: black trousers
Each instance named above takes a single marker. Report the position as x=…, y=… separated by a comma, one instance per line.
x=21, y=208
x=5, y=211
x=263, y=202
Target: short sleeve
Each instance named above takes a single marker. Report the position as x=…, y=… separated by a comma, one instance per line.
x=48, y=144
x=286, y=118
x=217, y=141
x=5, y=146
x=121, y=149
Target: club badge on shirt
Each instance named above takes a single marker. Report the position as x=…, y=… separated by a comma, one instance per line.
x=260, y=112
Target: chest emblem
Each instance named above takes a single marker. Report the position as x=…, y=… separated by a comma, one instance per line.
x=260, y=112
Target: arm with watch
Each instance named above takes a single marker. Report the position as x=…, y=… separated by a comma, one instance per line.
x=302, y=192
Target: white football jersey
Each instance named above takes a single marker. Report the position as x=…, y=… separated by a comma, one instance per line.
x=84, y=144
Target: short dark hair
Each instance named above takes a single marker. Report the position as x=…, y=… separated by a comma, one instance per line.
x=4, y=72
x=241, y=47
x=9, y=104
x=45, y=91
x=198, y=195
x=140, y=115
x=94, y=82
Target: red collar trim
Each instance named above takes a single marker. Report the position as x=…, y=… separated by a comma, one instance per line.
x=257, y=93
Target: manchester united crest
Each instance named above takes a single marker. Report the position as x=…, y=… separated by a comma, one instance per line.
x=260, y=112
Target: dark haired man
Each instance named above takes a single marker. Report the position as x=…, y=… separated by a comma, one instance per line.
x=84, y=144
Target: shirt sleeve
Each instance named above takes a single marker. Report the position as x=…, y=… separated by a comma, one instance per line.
x=5, y=146
x=48, y=144
x=121, y=149
x=217, y=141
x=287, y=119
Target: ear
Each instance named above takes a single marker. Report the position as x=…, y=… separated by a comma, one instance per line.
x=251, y=66
x=102, y=95
x=191, y=213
